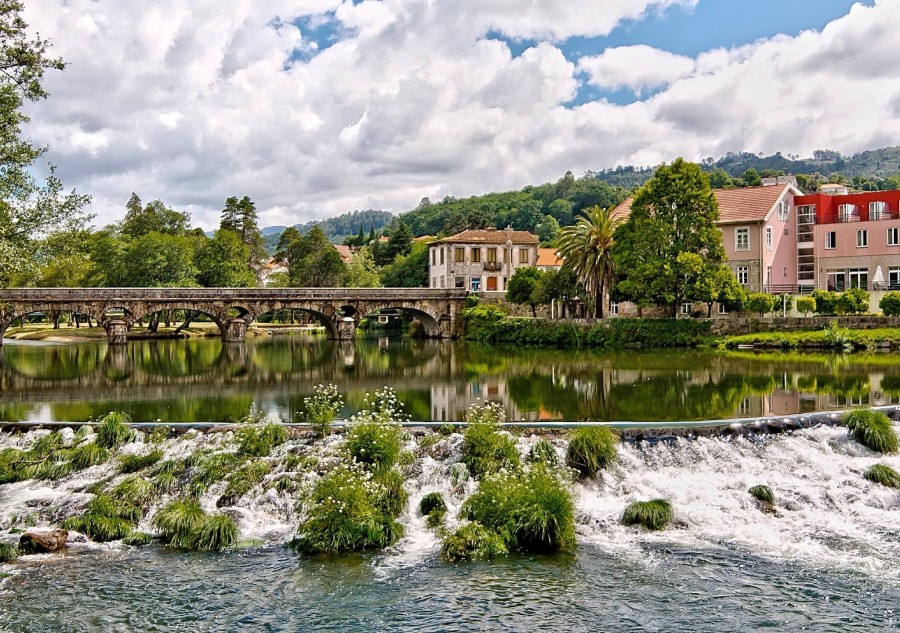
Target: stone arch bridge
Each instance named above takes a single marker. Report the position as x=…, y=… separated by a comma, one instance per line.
x=339, y=310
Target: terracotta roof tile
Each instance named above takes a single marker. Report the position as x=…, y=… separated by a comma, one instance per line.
x=548, y=257
x=744, y=204
x=491, y=236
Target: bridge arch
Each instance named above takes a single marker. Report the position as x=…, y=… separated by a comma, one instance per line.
x=328, y=322
x=10, y=317
x=429, y=321
x=141, y=312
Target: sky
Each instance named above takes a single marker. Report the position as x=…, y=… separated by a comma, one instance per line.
x=318, y=107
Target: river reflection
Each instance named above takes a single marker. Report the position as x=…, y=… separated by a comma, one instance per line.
x=207, y=380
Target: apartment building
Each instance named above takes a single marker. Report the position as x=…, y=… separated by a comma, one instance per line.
x=480, y=260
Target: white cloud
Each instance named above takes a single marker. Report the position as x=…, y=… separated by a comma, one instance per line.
x=637, y=68
x=191, y=103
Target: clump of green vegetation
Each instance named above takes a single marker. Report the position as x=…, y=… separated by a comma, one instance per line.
x=105, y=519
x=113, y=430
x=392, y=497
x=8, y=552
x=871, y=429
x=322, y=407
x=652, y=515
x=84, y=431
x=592, y=448
x=342, y=513
x=158, y=435
x=138, y=539
x=434, y=507
x=884, y=475
x=184, y=525
x=762, y=493
x=259, y=440
x=472, y=541
x=217, y=532
x=243, y=480
x=486, y=450
x=374, y=436
x=213, y=469
x=165, y=475
x=446, y=430
x=135, y=463
x=90, y=454
x=48, y=458
x=459, y=474
x=542, y=452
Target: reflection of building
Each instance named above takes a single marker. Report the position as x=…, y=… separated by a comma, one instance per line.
x=449, y=401
x=482, y=260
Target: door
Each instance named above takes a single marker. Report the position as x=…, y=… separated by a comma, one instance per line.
x=492, y=283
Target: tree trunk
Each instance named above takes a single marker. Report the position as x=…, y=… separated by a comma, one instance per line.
x=168, y=319
x=709, y=309
x=154, y=322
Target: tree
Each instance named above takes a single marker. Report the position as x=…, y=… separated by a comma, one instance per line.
x=158, y=260
x=760, y=302
x=889, y=304
x=362, y=271
x=29, y=209
x=547, y=231
x=222, y=262
x=586, y=248
x=674, y=214
x=751, y=178
x=399, y=242
x=408, y=271
x=311, y=259
x=154, y=217
x=521, y=287
x=559, y=285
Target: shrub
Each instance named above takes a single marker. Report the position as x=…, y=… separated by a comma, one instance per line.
x=853, y=301
x=374, y=437
x=762, y=493
x=872, y=429
x=653, y=515
x=485, y=450
x=760, y=302
x=591, y=448
x=134, y=463
x=432, y=502
x=782, y=303
x=113, y=430
x=826, y=301
x=135, y=491
x=88, y=455
x=472, y=541
x=105, y=519
x=322, y=407
x=542, y=452
x=258, y=440
x=341, y=514
x=138, y=539
x=837, y=337
x=213, y=469
x=890, y=304
x=531, y=512
x=392, y=497
x=8, y=552
x=805, y=305
x=884, y=475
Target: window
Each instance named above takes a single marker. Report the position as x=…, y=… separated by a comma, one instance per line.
x=434, y=282
x=847, y=213
x=743, y=275
x=523, y=255
x=742, y=239
x=614, y=308
x=768, y=238
x=492, y=255
x=433, y=256
x=506, y=255
x=722, y=309
x=476, y=255
x=442, y=262
x=859, y=278
x=894, y=278
x=862, y=238
x=459, y=282
x=893, y=236
x=830, y=239
x=835, y=280
x=878, y=211
x=476, y=284
x=685, y=308
x=459, y=254
x=442, y=282
x=783, y=210
x=806, y=214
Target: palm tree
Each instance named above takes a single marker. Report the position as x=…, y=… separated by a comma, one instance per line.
x=586, y=249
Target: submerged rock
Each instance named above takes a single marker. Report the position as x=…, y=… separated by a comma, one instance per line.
x=43, y=542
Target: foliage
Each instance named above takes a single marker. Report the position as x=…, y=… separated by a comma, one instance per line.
x=872, y=429
x=853, y=301
x=160, y=260
x=890, y=304
x=459, y=474
x=762, y=493
x=341, y=514
x=245, y=478
x=321, y=408
x=670, y=239
x=87, y=455
x=399, y=242
x=407, y=271
x=259, y=440
x=760, y=302
x=134, y=463
x=155, y=217
x=312, y=260
x=836, y=337
x=485, y=449
x=138, y=539
x=826, y=301
x=105, y=519
x=531, y=511
x=432, y=502
x=884, y=475
x=373, y=437
x=782, y=303
x=113, y=430
x=392, y=497
x=8, y=552
x=134, y=491
x=179, y=521
x=542, y=452
x=652, y=515
x=522, y=286
x=224, y=262
x=215, y=533
x=362, y=272
x=805, y=305
x=591, y=449
x=587, y=250
x=472, y=541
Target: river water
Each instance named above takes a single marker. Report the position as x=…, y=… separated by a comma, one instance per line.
x=826, y=560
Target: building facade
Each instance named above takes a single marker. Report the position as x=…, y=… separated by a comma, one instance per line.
x=480, y=260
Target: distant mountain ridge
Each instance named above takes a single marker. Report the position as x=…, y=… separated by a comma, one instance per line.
x=337, y=228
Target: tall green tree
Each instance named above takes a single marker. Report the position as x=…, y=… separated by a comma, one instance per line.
x=362, y=271
x=157, y=260
x=399, y=242
x=312, y=260
x=222, y=262
x=586, y=248
x=29, y=209
x=670, y=241
x=155, y=216
x=408, y=271
x=522, y=286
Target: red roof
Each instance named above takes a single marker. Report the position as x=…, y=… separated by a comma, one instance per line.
x=491, y=236
x=549, y=257
x=744, y=204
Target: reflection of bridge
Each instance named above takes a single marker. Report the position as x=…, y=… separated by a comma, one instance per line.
x=233, y=309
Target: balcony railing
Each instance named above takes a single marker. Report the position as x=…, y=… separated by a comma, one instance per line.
x=862, y=216
x=777, y=289
x=492, y=266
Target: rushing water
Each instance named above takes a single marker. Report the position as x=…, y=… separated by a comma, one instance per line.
x=206, y=380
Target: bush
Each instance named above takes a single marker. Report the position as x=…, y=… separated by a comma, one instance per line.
x=8, y=552
x=322, y=407
x=472, y=541
x=762, y=493
x=872, y=429
x=653, y=515
x=134, y=463
x=393, y=496
x=782, y=303
x=215, y=533
x=179, y=521
x=485, y=450
x=113, y=430
x=459, y=474
x=592, y=448
x=890, y=304
x=826, y=301
x=531, y=512
x=853, y=301
x=105, y=519
x=542, y=452
x=258, y=440
x=374, y=436
x=760, y=302
x=212, y=469
x=884, y=475
x=433, y=501
x=805, y=305
x=341, y=514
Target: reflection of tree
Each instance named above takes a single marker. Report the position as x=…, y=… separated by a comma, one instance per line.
x=54, y=362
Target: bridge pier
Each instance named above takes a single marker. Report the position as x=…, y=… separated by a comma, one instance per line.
x=346, y=329
x=117, y=332
x=235, y=331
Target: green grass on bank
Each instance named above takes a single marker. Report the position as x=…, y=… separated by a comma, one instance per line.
x=833, y=338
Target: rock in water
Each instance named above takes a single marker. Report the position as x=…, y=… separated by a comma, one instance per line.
x=43, y=542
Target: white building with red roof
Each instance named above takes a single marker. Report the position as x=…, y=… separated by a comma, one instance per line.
x=480, y=260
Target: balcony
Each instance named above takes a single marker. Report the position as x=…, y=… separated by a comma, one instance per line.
x=492, y=266
x=862, y=215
